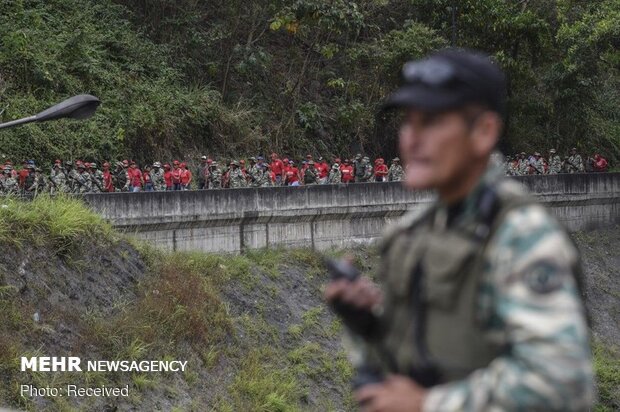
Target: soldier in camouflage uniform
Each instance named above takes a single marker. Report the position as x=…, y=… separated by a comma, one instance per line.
x=120, y=178
x=367, y=168
x=236, y=177
x=157, y=176
x=96, y=178
x=8, y=185
x=538, y=164
x=58, y=180
x=335, y=175
x=255, y=173
x=522, y=165
x=310, y=174
x=555, y=163
x=84, y=181
x=396, y=172
x=574, y=163
x=73, y=178
x=479, y=308
x=265, y=177
x=215, y=176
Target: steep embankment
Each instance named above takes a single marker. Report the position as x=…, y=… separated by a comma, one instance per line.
x=253, y=328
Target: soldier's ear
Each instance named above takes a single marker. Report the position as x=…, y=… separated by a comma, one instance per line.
x=485, y=132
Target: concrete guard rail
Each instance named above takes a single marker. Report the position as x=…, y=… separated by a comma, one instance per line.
x=322, y=216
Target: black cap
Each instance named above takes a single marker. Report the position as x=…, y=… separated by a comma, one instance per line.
x=450, y=79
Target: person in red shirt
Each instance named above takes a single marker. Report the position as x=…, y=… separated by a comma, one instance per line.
x=277, y=167
x=323, y=169
x=135, y=177
x=348, y=174
x=186, y=177
x=108, y=186
x=148, y=181
x=292, y=175
x=176, y=175
x=600, y=164
x=381, y=170
x=23, y=174
x=168, y=177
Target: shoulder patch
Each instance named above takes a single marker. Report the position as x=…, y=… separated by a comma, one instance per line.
x=544, y=277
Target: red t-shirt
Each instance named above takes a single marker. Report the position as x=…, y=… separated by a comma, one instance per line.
x=277, y=167
x=176, y=175
x=23, y=174
x=186, y=177
x=168, y=178
x=147, y=177
x=135, y=177
x=381, y=170
x=323, y=169
x=347, y=173
x=107, y=181
x=292, y=175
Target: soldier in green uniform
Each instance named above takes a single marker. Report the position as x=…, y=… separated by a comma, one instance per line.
x=574, y=163
x=555, y=163
x=215, y=176
x=58, y=180
x=479, y=306
x=395, y=172
x=311, y=175
x=96, y=178
x=236, y=177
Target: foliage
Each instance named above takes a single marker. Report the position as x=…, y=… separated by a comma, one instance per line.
x=178, y=77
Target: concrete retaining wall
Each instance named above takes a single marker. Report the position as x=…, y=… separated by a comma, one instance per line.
x=322, y=217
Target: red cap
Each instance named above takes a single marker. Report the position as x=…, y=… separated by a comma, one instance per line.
x=176, y=162
x=166, y=166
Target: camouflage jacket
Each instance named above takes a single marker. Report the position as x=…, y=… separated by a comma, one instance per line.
x=574, y=164
x=159, y=183
x=555, y=165
x=215, y=178
x=527, y=305
x=237, y=178
x=335, y=175
x=395, y=173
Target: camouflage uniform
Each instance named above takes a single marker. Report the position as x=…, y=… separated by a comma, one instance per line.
x=499, y=320
x=265, y=178
x=58, y=181
x=215, y=177
x=9, y=184
x=522, y=167
x=367, y=167
x=310, y=175
x=255, y=173
x=555, y=163
x=236, y=178
x=574, y=164
x=538, y=165
x=96, y=177
x=74, y=180
x=157, y=176
x=396, y=172
x=335, y=175
x=85, y=184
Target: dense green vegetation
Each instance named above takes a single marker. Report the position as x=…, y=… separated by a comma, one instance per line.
x=231, y=77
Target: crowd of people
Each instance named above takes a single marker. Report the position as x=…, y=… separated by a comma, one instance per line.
x=125, y=176
x=536, y=164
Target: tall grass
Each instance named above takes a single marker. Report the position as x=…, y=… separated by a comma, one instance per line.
x=58, y=222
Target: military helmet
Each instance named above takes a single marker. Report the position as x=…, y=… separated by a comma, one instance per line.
x=234, y=163
x=213, y=163
x=157, y=164
x=253, y=159
x=396, y=160
x=120, y=164
x=335, y=166
x=536, y=154
x=93, y=165
x=551, y=150
x=68, y=163
x=311, y=162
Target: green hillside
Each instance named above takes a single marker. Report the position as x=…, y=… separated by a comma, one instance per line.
x=178, y=77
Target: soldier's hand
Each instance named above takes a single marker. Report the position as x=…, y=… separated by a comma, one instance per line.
x=361, y=293
x=396, y=394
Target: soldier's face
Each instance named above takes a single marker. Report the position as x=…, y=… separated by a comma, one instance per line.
x=442, y=150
